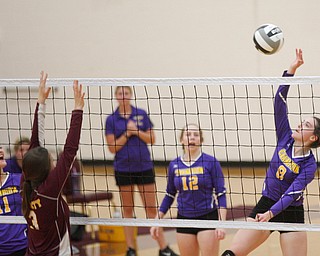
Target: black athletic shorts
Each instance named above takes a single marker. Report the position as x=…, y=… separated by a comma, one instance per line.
x=194, y=231
x=132, y=178
x=292, y=214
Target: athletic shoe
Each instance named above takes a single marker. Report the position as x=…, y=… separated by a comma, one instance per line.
x=167, y=252
x=131, y=252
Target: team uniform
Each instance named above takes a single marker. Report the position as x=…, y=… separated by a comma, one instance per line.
x=287, y=175
x=48, y=222
x=12, y=166
x=13, y=236
x=132, y=163
x=195, y=184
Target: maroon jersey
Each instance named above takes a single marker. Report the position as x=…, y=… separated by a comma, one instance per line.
x=48, y=222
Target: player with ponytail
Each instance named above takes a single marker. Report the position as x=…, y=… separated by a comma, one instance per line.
x=45, y=210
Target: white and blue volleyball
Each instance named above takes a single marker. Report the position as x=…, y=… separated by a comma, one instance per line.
x=268, y=39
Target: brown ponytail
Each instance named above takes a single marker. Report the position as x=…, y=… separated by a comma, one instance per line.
x=36, y=167
x=26, y=198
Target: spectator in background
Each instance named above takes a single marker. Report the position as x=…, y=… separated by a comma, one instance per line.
x=14, y=164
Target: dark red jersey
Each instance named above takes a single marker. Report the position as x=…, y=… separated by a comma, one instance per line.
x=48, y=222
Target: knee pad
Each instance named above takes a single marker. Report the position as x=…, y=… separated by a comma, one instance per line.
x=228, y=253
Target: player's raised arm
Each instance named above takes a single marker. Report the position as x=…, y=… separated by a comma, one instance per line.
x=78, y=95
x=296, y=63
x=43, y=92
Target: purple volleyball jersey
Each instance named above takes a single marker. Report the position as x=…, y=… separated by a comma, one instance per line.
x=48, y=222
x=12, y=166
x=134, y=156
x=196, y=185
x=287, y=175
x=13, y=237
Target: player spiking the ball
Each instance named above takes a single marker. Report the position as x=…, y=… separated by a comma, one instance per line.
x=291, y=169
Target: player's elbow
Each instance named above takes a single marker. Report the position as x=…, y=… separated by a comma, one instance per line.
x=152, y=139
x=112, y=149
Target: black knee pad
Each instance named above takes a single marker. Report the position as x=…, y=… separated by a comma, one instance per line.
x=228, y=253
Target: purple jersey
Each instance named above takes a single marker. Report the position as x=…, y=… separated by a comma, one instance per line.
x=48, y=222
x=287, y=175
x=195, y=184
x=134, y=156
x=12, y=166
x=13, y=236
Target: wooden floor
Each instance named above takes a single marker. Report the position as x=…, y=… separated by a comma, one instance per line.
x=243, y=188
x=147, y=247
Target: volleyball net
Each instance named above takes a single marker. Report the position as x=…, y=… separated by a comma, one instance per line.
x=236, y=116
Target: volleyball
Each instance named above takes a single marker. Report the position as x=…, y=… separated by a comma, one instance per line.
x=268, y=39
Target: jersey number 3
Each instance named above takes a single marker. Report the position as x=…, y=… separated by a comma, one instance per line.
x=33, y=217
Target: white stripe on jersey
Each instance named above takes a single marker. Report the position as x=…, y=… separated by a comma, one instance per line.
x=283, y=99
x=169, y=195
x=222, y=193
x=64, y=249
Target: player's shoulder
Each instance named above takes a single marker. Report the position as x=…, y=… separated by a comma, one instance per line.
x=175, y=162
x=10, y=162
x=14, y=179
x=16, y=175
x=138, y=111
x=208, y=157
x=310, y=161
x=113, y=116
x=210, y=161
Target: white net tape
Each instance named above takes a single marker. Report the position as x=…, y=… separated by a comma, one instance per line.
x=163, y=81
x=173, y=223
